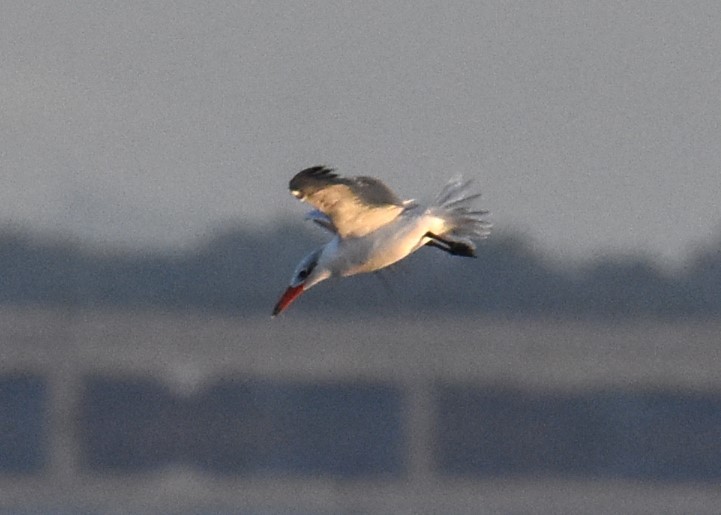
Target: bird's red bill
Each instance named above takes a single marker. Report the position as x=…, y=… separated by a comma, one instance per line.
x=289, y=296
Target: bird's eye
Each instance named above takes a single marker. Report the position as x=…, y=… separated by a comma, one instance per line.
x=303, y=274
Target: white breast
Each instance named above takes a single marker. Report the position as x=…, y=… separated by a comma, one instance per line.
x=384, y=246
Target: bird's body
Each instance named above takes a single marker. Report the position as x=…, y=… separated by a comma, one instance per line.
x=374, y=229
x=381, y=248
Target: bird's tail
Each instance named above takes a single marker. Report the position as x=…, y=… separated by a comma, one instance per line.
x=463, y=222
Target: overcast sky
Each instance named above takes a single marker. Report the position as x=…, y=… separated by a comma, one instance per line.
x=592, y=127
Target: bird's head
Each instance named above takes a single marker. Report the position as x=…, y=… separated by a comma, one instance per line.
x=306, y=275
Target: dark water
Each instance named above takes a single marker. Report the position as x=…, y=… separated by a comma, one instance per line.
x=105, y=412
x=346, y=429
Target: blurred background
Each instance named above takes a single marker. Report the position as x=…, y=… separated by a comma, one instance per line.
x=146, y=232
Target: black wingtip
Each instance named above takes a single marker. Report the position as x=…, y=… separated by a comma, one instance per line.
x=312, y=178
x=316, y=171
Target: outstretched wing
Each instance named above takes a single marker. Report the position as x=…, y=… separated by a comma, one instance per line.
x=356, y=206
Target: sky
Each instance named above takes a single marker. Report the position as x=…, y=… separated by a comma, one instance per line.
x=590, y=127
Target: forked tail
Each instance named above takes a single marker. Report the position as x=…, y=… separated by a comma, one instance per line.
x=464, y=223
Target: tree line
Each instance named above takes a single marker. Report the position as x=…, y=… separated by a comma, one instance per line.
x=244, y=270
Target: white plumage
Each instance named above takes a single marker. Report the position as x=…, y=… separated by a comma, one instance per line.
x=373, y=228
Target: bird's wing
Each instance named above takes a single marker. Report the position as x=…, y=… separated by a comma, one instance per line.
x=321, y=219
x=356, y=206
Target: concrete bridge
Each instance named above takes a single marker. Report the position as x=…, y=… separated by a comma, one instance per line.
x=149, y=412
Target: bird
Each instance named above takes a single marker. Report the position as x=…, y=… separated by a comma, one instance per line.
x=372, y=228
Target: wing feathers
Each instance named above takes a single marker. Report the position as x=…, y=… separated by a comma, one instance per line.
x=356, y=206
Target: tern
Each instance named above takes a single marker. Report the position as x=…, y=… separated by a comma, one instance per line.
x=373, y=228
